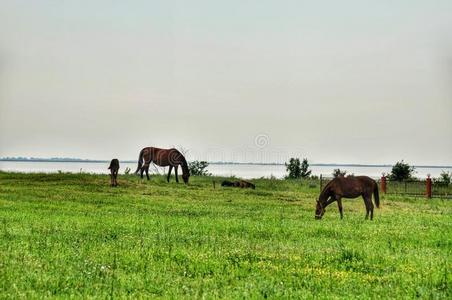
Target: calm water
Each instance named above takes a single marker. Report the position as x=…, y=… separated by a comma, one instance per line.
x=242, y=171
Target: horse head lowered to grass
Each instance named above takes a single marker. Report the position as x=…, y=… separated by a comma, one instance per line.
x=348, y=187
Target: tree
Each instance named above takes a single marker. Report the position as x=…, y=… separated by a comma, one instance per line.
x=198, y=168
x=305, y=172
x=293, y=168
x=339, y=173
x=401, y=171
x=445, y=178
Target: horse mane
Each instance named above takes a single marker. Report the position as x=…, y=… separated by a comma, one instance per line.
x=326, y=189
x=184, y=164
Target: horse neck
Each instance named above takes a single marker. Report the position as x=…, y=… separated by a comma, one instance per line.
x=184, y=165
x=323, y=197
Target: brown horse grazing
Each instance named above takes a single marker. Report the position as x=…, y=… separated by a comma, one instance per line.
x=348, y=187
x=163, y=158
x=114, y=168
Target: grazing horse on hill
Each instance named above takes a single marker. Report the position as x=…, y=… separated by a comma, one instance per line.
x=348, y=187
x=171, y=158
x=114, y=168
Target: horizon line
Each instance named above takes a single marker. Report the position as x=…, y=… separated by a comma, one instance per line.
x=69, y=159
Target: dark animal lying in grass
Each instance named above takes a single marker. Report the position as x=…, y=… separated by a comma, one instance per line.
x=114, y=168
x=246, y=184
x=348, y=187
x=241, y=184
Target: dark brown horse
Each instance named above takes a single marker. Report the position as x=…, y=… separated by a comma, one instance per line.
x=114, y=168
x=171, y=158
x=348, y=187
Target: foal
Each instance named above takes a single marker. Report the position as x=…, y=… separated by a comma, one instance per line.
x=114, y=168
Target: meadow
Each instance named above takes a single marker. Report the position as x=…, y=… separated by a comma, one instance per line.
x=73, y=236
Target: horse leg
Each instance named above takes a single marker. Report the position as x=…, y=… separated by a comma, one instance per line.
x=116, y=178
x=371, y=207
x=147, y=172
x=111, y=178
x=175, y=171
x=339, y=205
x=169, y=173
x=141, y=172
x=366, y=202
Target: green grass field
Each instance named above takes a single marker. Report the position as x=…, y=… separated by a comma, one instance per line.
x=72, y=235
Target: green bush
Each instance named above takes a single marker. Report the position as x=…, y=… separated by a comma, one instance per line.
x=297, y=169
x=293, y=168
x=401, y=171
x=339, y=172
x=445, y=178
x=305, y=172
x=199, y=168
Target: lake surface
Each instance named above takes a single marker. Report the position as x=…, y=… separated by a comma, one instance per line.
x=239, y=170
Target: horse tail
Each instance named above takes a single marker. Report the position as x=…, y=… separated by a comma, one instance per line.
x=376, y=195
x=140, y=161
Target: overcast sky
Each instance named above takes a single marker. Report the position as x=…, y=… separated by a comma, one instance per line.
x=243, y=80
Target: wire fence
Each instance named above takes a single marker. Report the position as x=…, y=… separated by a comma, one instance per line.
x=406, y=187
x=442, y=190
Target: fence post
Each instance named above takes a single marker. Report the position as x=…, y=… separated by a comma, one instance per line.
x=428, y=183
x=383, y=184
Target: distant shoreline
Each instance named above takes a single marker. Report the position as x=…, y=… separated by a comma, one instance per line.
x=75, y=160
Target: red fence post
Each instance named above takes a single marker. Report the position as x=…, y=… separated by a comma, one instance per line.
x=428, y=183
x=383, y=184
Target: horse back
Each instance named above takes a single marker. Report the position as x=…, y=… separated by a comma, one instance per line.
x=162, y=157
x=352, y=186
x=366, y=183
